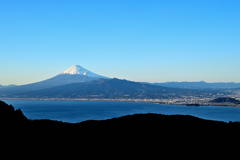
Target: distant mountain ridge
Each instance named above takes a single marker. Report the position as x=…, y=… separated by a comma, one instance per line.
x=109, y=88
x=200, y=84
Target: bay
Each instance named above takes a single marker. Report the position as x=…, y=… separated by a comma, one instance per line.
x=78, y=111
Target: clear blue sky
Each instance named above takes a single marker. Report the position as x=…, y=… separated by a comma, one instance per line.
x=138, y=40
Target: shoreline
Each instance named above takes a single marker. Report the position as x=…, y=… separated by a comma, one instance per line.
x=156, y=101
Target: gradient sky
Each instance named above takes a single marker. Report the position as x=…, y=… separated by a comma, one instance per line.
x=138, y=40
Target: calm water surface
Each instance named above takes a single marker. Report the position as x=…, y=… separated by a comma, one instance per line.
x=77, y=111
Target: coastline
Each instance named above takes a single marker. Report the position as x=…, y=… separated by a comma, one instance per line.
x=156, y=101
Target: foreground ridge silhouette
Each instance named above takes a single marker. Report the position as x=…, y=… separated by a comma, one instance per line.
x=139, y=136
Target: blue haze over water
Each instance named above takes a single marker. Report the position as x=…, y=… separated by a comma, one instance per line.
x=77, y=111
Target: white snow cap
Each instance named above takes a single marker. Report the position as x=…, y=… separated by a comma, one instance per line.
x=77, y=69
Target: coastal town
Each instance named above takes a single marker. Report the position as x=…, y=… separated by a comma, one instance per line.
x=184, y=100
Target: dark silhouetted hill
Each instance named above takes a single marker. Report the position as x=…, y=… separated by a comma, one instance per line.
x=110, y=88
x=8, y=113
x=140, y=137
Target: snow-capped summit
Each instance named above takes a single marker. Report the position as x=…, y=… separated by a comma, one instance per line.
x=77, y=69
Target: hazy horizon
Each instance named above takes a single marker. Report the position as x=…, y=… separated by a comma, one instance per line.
x=143, y=41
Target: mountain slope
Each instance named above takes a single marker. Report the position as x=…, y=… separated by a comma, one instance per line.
x=74, y=74
x=11, y=85
x=109, y=88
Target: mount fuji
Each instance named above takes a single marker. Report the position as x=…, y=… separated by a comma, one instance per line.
x=78, y=82
x=74, y=74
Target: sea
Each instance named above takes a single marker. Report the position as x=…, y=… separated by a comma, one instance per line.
x=78, y=111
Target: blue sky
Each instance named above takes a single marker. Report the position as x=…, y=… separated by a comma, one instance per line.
x=138, y=40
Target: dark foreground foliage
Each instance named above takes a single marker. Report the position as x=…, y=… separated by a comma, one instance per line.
x=140, y=136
